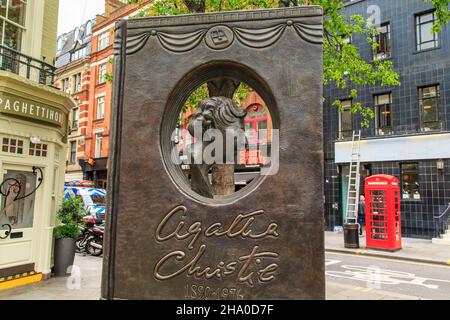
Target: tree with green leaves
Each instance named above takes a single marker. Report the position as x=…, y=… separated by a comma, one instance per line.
x=343, y=64
x=442, y=13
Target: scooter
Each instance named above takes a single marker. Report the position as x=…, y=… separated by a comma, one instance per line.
x=94, y=245
x=93, y=231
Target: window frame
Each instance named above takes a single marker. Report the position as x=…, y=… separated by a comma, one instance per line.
x=437, y=123
x=102, y=71
x=386, y=55
x=412, y=196
x=101, y=98
x=342, y=132
x=103, y=41
x=382, y=129
x=4, y=20
x=98, y=144
x=418, y=34
x=73, y=152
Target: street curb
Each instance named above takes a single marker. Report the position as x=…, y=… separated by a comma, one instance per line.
x=377, y=255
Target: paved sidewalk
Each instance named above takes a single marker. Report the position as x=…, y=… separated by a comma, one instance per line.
x=418, y=250
x=84, y=284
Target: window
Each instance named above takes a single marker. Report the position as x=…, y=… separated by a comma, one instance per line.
x=347, y=40
x=103, y=40
x=75, y=118
x=38, y=149
x=98, y=145
x=78, y=54
x=12, y=145
x=410, y=181
x=256, y=124
x=100, y=107
x=346, y=119
x=73, y=152
x=429, y=108
x=12, y=22
x=88, y=28
x=77, y=82
x=426, y=38
x=18, y=213
x=383, y=113
x=65, y=85
x=102, y=73
x=383, y=41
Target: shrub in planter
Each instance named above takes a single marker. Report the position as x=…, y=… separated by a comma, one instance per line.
x=70, y=215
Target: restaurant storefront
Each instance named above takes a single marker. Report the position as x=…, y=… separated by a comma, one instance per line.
x=33, y=137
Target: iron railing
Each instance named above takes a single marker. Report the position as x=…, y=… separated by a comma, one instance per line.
x=441, y=222
x=26, y=66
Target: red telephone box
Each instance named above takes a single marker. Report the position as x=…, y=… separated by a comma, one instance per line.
x=383, y=218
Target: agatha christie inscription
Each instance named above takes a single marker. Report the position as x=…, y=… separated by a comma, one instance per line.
x=255, y=265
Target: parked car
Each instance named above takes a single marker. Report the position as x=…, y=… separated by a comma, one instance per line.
x=94, y=199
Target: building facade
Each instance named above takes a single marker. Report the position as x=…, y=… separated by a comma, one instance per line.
x=410, y=135
x=33, y=137
x=96, y=129
x=73, y=77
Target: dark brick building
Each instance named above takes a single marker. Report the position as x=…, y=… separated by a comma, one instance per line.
x=410, y=135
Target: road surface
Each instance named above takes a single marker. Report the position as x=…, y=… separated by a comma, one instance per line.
x=398, y=279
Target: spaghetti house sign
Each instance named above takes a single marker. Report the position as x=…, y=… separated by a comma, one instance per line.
x=23, y=107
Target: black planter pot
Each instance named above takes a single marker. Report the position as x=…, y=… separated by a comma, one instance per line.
x=64, y=255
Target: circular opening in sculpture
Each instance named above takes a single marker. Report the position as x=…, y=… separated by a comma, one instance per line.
x=219, y=132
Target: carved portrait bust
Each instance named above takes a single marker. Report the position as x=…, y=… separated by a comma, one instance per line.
x=215, y=117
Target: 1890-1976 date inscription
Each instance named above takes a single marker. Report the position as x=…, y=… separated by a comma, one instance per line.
x=200, y=292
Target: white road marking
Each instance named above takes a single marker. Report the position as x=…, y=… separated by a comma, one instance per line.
x=329, y=262
x=384, y=276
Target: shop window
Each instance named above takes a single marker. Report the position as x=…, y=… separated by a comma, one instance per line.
x=410, y=181
x=38, y=149
x=103, y=40
x=345, y=119
x=12, y=145
x=383, y=113
x=426, y=38
x=73, y=152
x=18, y=213
x=429, y=108
x=100, y=108
x=383, y=41
x=102, y=73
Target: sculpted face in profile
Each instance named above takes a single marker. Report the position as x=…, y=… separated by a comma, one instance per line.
x=216, y=121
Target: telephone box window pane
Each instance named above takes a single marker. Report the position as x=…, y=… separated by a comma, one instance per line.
x=18, y=213
x=410, y=181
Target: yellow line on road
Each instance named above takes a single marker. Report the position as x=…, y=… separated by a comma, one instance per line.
x=390, y=260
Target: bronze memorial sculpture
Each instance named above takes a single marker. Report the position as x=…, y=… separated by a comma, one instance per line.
x=178, y=224
x=214, y=113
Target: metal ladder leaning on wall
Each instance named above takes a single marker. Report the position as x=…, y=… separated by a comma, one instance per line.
x=353, y=181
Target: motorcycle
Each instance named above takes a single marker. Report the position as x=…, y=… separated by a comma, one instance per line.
x=91, y=238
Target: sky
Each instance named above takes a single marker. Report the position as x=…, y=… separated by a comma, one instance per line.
x=73, y=13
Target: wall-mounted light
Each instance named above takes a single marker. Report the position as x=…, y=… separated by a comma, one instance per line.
x=440, y=164
x=35, y=139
